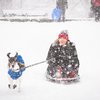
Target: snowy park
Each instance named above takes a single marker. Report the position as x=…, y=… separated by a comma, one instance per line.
x=32, y=40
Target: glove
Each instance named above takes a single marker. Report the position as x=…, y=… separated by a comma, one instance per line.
x=51, y=61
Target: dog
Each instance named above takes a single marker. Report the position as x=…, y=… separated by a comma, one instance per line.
x=16, y=66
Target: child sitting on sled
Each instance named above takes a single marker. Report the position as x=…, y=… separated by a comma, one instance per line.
x=64, y=63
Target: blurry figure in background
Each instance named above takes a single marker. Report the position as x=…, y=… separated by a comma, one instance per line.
x=63, y=64
x=56, y=14
x=95, y=8
x=62, y=5
x=16, y=66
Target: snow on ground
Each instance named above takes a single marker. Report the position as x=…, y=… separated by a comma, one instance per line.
x=32, y=40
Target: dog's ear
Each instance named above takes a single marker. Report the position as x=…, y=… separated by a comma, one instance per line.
x=8, y=55
x=16, y=54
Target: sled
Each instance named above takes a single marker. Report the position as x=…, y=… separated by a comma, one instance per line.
x=63, y=80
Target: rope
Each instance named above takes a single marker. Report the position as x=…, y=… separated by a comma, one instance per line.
x=34, y=64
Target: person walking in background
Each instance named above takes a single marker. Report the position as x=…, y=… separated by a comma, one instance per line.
x=62, y=5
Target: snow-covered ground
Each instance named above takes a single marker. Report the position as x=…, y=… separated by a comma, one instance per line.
x=32, y=40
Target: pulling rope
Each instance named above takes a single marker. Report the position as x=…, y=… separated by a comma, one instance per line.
x=36, y=64
x=22, y=69
x=15, y=74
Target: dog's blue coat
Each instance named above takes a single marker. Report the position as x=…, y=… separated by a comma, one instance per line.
x=15, y=75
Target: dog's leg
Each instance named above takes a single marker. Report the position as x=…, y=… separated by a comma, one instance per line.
x=10, y=85
x=14, y=84
x=19, y=84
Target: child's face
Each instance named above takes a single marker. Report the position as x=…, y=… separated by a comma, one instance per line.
x=62, y=41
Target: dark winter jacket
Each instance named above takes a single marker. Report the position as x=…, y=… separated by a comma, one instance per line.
x=64, y=56
x=62, y=4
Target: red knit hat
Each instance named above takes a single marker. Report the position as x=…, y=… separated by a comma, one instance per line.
x=64, y=35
